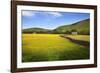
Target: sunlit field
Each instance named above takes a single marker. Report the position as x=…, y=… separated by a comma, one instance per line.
x=51, y=47
x=80, y=37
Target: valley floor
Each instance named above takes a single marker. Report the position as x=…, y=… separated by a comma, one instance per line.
x=51, y=47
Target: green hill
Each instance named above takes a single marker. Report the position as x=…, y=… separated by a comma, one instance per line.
x=36, y=30
x=82, y=27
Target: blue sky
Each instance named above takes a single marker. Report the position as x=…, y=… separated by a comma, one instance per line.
x=50, y=20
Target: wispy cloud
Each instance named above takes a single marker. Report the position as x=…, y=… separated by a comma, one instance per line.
x=28, y=13
x=55, y=14
x=34, y=13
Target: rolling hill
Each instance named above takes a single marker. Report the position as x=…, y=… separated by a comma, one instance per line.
x=35, y=30
x=82, y=27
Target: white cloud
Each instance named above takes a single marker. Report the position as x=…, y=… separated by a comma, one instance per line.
x=28, y=13
x=33, y=13
x=56, y=14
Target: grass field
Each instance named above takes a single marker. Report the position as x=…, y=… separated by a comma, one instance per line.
x=51, y=47
x=80, y=37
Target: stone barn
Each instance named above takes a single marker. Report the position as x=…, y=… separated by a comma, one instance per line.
x=74, y=33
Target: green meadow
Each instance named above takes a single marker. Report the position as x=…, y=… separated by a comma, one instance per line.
x=52, y=47
x=80, y=37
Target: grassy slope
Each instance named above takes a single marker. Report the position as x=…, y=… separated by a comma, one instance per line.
x=51, y=47
x=35, y=30
x=82, y=26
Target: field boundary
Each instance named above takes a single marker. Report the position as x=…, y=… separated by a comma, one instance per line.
x=79, y=42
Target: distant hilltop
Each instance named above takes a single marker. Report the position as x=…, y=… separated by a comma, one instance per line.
x=81, y=27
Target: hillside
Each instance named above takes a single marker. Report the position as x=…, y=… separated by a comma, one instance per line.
x=35, y=30
x=82, y=27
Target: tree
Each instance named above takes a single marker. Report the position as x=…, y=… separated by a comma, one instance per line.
x=68, y=32
x=73, y=30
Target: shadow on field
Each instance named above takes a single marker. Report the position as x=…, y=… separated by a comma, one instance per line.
x=79, y=42
x=77, y=54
